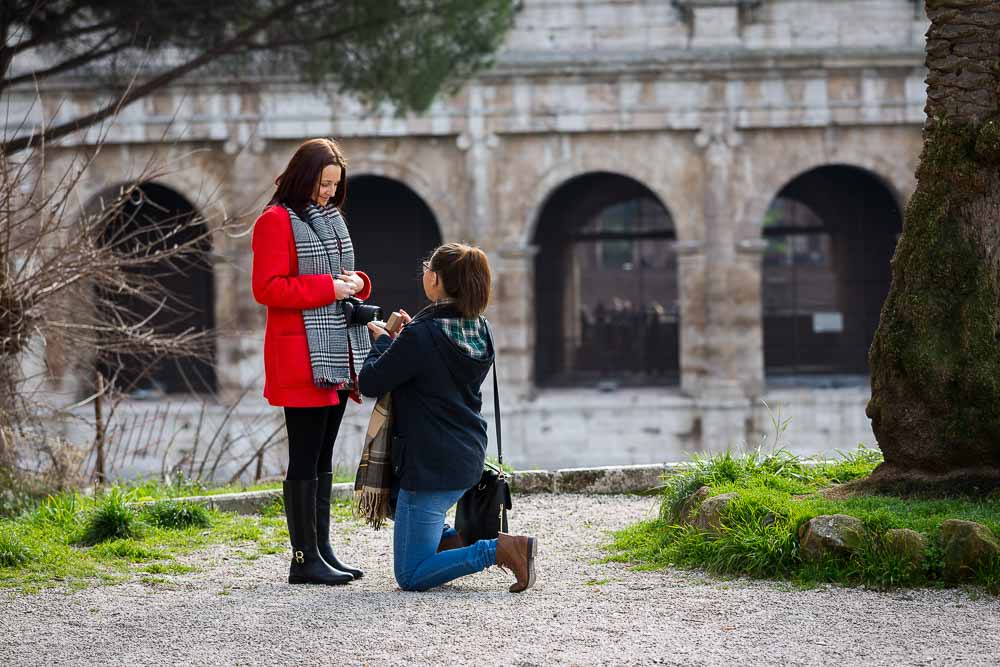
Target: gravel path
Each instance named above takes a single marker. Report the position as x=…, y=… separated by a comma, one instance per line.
x=235, y=612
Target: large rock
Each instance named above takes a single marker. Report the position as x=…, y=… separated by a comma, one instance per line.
x=830, y=535
x=967, y=547
x=907, y=544
x=711, y=513
x=688, y=510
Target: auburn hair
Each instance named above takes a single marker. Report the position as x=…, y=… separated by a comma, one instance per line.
x=465, y=276
x=296, y=184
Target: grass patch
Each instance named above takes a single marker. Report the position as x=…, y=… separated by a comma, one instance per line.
x=114, y=518
x=12, y=550
x=176, y=514
x=75, y=541
x=129, y=550
x=776, y=494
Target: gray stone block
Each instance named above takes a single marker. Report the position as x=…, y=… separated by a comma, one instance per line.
x=532, y=481
x=247, y=502
x=609, y=479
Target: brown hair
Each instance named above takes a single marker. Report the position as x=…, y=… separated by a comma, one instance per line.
x=465, y=276
x=297, y=182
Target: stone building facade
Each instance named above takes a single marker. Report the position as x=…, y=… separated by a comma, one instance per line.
x=689, y=205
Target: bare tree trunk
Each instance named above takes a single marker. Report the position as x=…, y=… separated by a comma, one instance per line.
x=935, y=360
x=100, y=472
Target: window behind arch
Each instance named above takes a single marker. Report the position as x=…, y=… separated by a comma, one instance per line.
x=607, y=309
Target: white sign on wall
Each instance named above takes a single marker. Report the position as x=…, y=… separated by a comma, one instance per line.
x=828, y=322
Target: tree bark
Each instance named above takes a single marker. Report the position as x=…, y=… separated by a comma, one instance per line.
x=935, y=359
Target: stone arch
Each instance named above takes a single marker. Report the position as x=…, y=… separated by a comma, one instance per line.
x=606, y=285
x=781, y=173
x=613, y=163
x=392, y=229
x=439, y=201
x=187, y=282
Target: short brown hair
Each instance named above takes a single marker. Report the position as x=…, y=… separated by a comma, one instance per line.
x=465, y=276
x=297, y=182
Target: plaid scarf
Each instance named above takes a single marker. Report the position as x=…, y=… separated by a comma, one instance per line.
x=373, y=484
x=324, y=246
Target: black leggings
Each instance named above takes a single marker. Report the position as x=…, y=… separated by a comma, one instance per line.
x=312, y=433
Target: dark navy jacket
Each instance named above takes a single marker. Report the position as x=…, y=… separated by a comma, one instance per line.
x=439, y=435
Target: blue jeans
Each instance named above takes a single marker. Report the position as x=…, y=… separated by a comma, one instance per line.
x=419, y=527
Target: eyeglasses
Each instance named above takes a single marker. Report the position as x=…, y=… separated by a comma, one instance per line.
x=426, y=264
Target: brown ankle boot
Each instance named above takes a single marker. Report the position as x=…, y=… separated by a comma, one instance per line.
x=451, y=542
x=517, y=554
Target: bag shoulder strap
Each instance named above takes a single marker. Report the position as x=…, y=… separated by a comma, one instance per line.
x=496, y=394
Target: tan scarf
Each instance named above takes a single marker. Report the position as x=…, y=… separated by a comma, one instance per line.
x=373, y=484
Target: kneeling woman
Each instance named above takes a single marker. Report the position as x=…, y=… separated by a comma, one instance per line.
x=434, y=369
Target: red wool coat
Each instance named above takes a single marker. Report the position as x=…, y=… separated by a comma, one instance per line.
x=288, y=379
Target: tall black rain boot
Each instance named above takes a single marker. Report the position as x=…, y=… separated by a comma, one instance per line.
x=323, y=490
x=307, y=566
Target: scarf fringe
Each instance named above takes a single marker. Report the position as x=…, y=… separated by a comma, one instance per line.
x=372, y=505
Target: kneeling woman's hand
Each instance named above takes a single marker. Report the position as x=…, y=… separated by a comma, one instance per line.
x=377, y=331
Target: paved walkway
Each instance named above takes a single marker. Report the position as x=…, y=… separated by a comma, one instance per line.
x=235, y=612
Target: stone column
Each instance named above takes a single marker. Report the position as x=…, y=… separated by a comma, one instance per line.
x=721, y=399
x=477, y=141
x=748, y=315
x=691, y=264
x=513, y=308
x=239, y=345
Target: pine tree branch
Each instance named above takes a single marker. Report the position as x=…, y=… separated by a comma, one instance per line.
x=140, y=91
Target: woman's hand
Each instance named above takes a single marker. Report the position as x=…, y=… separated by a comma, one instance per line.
x=354, y=279
x=377, y=331
x=406, y=317
x=343, y=288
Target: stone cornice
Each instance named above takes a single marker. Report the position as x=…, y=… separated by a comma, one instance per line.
x=692, y=63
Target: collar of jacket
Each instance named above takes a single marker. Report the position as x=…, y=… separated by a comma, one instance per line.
x=439, y=310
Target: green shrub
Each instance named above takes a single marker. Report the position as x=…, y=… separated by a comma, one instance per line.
x=12, y=551
x=113, y=518
x=176, y=514
x=62, y=511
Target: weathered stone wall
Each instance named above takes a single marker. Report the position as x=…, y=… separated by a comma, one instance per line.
x=713, y=106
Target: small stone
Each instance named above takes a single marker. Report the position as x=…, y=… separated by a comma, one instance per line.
x=967, y=546
x=689, y=508
x=711, y=513
x=830, y=535
x=907, y=544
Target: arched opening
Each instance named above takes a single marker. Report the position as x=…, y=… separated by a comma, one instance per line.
x=831, y=233
x=606, y=299
x=182, y=289
x=392, y=230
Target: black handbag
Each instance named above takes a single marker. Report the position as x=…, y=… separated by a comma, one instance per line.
x=482, y=511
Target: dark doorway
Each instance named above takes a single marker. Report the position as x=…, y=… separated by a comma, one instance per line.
x=831, y=234
x=156, y=217
x=392, y=230
x=606, y=300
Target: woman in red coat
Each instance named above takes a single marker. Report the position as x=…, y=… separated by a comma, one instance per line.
x=303, y=269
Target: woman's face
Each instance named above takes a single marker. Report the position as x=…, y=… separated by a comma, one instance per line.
x=432, y=284
x=327, y=185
